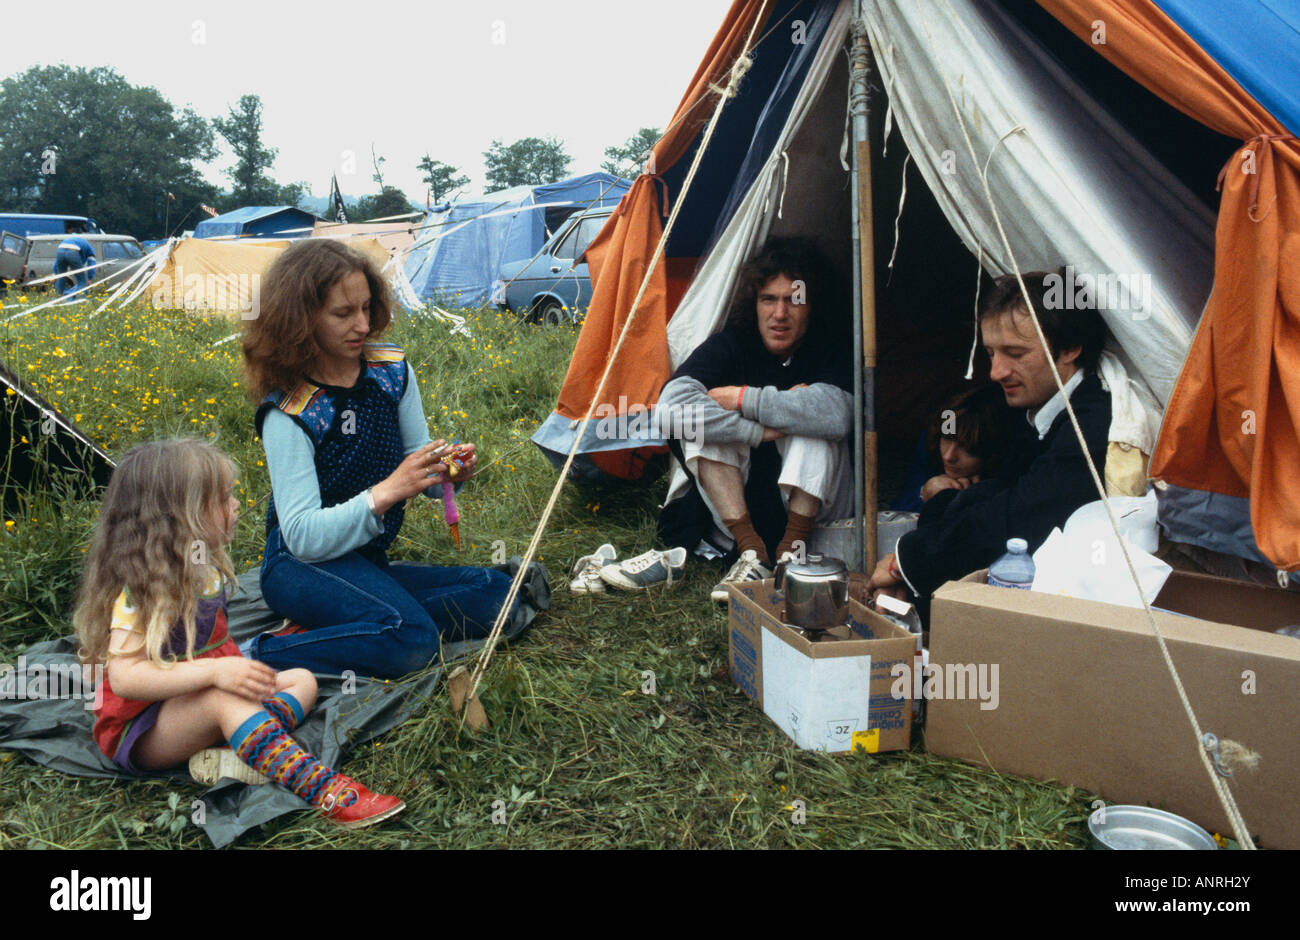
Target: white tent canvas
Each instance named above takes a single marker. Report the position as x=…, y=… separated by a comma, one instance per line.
x=1067, y=181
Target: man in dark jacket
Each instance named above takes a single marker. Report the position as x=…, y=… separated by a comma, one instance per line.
x=770, y=413
x=1044, y=477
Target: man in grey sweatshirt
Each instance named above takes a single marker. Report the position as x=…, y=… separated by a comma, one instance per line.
x=770, y=410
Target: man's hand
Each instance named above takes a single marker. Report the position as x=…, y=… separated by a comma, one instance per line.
x=936, y=485
x=727, y=396
x=883, y=580
x=772, y=434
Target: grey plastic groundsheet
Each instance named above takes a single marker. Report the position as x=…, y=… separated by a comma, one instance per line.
x=56, y=732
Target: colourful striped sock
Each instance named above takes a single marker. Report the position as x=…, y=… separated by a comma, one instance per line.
x=286, y=709
x=262, y=743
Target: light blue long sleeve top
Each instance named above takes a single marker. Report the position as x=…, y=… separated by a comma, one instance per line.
x=314, y=534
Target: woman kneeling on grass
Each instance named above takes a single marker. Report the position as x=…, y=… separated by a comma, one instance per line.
x=346, y=445
x=153, y=606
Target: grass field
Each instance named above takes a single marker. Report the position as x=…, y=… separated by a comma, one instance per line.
x=579, y=756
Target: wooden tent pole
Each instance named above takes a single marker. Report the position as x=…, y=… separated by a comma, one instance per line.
x=866, y=479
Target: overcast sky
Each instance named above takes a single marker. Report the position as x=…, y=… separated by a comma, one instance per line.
x=445, y=78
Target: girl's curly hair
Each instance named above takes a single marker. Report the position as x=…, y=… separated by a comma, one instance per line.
x=154, y=538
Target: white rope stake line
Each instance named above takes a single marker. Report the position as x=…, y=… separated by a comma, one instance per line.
x=150, y=265
x=61, y=275
x=145, y=283
x=1226, y=800
x=485, y=656
x=66, y=298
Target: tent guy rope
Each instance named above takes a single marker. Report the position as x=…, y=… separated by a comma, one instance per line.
x=485, y=657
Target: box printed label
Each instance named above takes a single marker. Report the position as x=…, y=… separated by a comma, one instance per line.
x=744, y=665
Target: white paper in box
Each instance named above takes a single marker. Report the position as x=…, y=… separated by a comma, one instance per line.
x=817, y=702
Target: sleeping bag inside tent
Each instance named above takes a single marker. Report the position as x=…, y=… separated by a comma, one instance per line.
x=1087, y=164
x=459, y=248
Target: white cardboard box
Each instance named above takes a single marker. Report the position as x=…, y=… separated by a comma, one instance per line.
x=831, y=695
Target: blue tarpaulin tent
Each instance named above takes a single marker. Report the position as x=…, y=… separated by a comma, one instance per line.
x=258, y=221
x=460, y=248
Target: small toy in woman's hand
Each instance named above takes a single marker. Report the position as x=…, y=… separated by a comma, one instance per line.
x=457, y=460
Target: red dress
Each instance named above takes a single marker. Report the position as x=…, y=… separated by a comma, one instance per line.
x=121, y=722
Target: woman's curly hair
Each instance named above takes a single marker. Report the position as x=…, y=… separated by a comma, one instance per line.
x=279, y=343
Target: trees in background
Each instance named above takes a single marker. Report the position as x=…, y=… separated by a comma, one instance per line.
x=87, y=142
x=529, y=161
x=242, y=129
x=444, y=181
x=629, y=157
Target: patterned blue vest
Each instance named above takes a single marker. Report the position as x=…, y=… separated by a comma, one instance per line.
x=354, y=430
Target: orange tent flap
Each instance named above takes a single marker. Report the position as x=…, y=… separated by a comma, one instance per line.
x=641, y=367
x=619, y=255
x=1232, y=424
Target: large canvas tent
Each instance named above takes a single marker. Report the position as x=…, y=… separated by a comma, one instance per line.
x=460, y=248
x=1085, y=165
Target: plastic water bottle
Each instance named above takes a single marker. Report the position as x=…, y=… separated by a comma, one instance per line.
x=1015, y=569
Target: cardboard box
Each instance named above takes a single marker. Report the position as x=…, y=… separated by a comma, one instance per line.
x=1086, y=699
x=833, y=694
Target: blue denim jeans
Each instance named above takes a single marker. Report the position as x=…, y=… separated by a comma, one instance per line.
x=69, y=260
x=377, y=619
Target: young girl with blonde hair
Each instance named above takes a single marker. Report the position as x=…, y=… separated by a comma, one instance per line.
x=152, y=608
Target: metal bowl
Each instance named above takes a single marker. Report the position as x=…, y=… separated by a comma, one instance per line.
x=1141, y=827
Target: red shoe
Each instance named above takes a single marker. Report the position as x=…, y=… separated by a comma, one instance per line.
x=366, y=810
x=287, y=628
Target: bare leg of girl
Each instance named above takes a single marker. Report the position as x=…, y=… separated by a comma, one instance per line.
x=189, y=723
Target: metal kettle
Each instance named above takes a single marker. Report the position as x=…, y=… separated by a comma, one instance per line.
x=816, y=592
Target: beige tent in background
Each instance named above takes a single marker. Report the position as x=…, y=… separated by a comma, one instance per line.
x=209, y=276
x=393, y=236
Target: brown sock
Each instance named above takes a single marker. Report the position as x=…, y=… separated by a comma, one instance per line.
x=797, y=529
x=742, y=530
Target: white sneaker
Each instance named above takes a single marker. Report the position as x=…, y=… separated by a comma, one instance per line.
x=586, y=573
x=647, y=570
x=215, y=763
x=746, y=568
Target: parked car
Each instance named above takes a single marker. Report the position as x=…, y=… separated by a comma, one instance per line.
x=35, y=223
x=555, y=286
x=113, y=253
x=13, y=256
